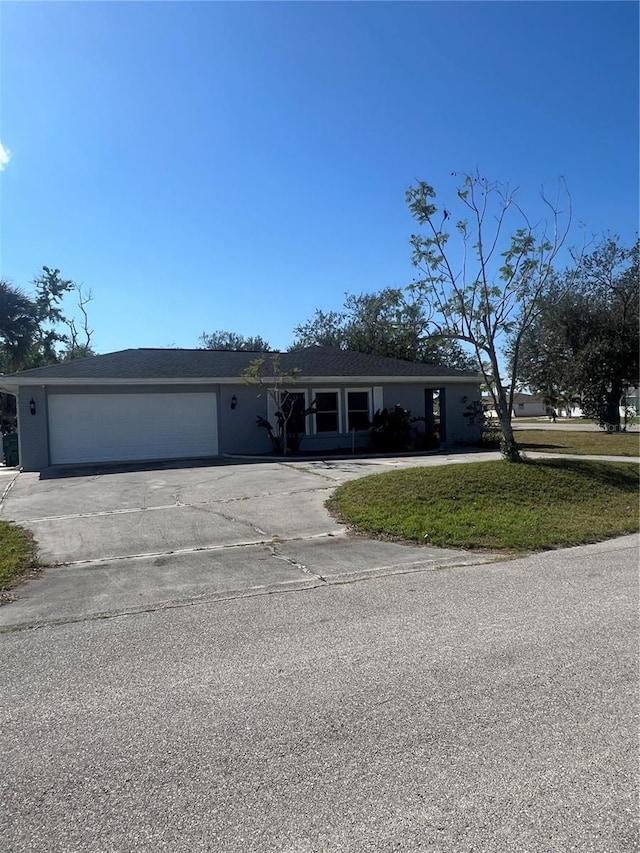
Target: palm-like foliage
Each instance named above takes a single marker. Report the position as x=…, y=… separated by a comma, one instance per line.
x=19, y=325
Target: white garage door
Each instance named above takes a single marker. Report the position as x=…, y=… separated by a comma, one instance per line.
x=121, y=427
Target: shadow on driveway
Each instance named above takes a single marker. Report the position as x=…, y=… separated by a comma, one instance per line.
x=59, y=472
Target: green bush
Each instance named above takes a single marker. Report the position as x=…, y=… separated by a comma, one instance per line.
x=394, y=430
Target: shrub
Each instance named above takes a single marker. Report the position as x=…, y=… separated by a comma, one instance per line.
x=394, y=430
x=475, y=415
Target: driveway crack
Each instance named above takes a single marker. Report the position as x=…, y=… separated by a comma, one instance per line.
x=248, y=524
x=164, y=507
x=200, y=548
x=304, y=469
x=315, y=582
x=273, y=549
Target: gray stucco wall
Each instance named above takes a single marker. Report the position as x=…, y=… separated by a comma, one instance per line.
x=33, y=430
x=457, y=399
x=410, y=397
x=143, y=388
x=237, y=429
x=238, y=434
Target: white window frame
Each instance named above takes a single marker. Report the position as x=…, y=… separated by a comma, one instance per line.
x=356, y=390
x=336, y=391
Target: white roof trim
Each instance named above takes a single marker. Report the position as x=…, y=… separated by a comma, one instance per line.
x=48, y=381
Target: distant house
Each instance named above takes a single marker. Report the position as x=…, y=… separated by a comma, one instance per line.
x=524, y=406
x=536, y=405
x=162, y=404
x=631, y=402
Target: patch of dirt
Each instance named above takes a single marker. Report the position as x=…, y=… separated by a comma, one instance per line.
x=6, y=592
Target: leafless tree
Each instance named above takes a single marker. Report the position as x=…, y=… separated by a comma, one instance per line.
x=492, y=287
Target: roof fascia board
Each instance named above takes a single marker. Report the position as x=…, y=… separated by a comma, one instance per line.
x=235, y=380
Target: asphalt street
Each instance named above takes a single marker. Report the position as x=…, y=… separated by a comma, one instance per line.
x=212, y=663
x=479, y=708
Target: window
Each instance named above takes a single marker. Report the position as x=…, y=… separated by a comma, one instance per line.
x=327, y=413
x=358, y=410
x=292, y=405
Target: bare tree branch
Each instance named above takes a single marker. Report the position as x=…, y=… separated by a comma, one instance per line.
x=483, y=308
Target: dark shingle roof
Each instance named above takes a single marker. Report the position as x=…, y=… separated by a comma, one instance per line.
x=226, y=364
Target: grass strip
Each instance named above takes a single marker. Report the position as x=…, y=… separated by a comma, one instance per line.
x=580, y=443
x=17, y=554
x=532, y=506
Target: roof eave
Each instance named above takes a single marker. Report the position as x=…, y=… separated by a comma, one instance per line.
x=42, y=381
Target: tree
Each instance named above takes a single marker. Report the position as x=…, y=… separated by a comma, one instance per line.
x=18, y=326
x=290, y=411
x=493, y=286
x=79, y=337
x=34, y=330
x=585, y=340
x=233, y=341
x=390, y=323
x=50, y=292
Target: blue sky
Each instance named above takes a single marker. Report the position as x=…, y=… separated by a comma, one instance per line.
x=234, y=166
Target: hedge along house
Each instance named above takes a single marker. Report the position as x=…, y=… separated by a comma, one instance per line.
x=172, y=404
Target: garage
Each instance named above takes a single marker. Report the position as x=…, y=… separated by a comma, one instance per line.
x=131, y=427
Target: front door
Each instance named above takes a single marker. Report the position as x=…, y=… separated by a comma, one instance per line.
x=435, y=413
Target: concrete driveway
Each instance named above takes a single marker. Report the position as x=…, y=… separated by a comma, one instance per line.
x=125, y=540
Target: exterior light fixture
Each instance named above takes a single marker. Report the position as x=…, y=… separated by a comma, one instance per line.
x=465, y=398
x=32, y=406
x=234, y=401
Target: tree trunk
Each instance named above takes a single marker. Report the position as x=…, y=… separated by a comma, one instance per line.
x=612, y=407
x=508, y=446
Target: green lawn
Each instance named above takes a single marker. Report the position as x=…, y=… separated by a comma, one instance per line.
x=561, y=420
x=536, y=505
x=17, y=554
x=583, y=443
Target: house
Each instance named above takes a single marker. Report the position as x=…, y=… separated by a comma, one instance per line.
x=524, y=406
x=161, y=404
